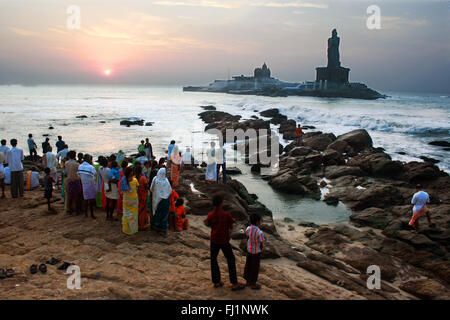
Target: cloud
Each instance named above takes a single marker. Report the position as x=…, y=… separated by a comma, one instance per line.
x=232, y=4
x=24, y=32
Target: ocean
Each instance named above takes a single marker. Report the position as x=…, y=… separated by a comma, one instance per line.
x=403, y=124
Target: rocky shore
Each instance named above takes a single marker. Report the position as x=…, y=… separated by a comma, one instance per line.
x=378, y=190
x=301, y=260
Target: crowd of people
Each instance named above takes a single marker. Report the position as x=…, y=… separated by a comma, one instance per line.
x=143, y=194
x=139, y=192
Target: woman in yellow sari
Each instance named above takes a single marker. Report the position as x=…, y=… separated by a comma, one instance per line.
x=129, y=187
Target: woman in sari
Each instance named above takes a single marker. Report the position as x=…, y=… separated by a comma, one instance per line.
x=211, y=167
x=175, y=162
x=161, y=191
x=142, y=196
x=129, y=186
x=123, y=165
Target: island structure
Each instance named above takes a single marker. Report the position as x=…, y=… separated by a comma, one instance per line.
x=331, y=81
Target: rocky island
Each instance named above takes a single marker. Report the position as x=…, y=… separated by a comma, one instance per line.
x=331, y=81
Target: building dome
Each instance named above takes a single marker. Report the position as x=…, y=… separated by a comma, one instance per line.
x=263, y=72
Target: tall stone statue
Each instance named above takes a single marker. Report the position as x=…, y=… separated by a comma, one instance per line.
x=333, y=50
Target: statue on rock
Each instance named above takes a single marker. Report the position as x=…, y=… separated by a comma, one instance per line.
x=333, y=50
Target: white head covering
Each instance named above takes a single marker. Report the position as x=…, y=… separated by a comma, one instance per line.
x=160, y=188
x=175, y=155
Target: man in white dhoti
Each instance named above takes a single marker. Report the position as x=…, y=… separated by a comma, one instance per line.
x=211, y=168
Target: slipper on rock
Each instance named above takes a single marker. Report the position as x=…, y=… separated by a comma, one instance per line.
x=256, y=287
x=42, y=268
x=53, y=261
x=33, y=269
x=2, y=274
x=9, y=273
x=64, y=266
x=218, y=285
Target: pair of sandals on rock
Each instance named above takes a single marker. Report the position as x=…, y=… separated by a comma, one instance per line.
x=235, y=287
x=43, y=267
x=8, y=273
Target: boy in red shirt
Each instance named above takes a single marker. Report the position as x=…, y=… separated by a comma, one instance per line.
x=298, y=134
x=182, y=220
x=221, y=222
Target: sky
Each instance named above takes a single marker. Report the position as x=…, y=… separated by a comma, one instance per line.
x=193, y=42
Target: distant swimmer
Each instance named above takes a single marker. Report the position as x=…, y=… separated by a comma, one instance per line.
x=420, y=200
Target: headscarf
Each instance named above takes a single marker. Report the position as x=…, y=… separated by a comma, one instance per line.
x=160, y=188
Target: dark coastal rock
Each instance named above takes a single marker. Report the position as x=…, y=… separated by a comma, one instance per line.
x=149, y=124
x=416, y=172
x=51, y=128
x=301, y=185
x=208, y=108
x=357, y=139
x=333, y=172
x=136, y=122
x=379, y=196
x=426, y=289
x=299, y=151
x=377, y=164
x=216, y=116
x=332, y=157
x=440, y=143
x=81, y=117
x=431, y=160
x=270, y=113
x=233, y=170
x=340, y=146
x=372, y=217
x=278, y=119
x=331, y=200
x=318, y=141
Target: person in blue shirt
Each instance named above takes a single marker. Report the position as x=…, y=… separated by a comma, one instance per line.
x=32, y=147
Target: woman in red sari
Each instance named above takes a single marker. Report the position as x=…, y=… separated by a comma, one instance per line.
x=175, y=161
x=120, y=200
x=142, y=196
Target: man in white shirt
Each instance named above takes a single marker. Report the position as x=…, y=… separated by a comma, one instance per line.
x=221, y=162
x=420, y=200
x=2, y=173
x=14, y=159
x=61, y=155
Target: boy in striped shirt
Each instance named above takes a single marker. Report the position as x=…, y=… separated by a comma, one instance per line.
x=254, y=246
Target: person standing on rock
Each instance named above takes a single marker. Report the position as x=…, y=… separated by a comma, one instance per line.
x=161, y=191
x=255, y=240
x=175, y=163
x=2, y=173
x=420, y=200
x=221, y=162
x=14, y=159
x=73, y=185
x=87, y=173
x=221, y=222
x=211, y=167
x=298, y=134
x=148, y=149
x=32, y=147
x=45, y=146
x=60, y=144
x=50, y=161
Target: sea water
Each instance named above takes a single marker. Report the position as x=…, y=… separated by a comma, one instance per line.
x=403, y=123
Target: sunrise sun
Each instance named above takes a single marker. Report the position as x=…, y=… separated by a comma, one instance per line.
x=107, y=72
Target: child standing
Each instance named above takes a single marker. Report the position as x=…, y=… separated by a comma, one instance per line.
x=182, y=220
x=48, y=188
x=254, y=246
